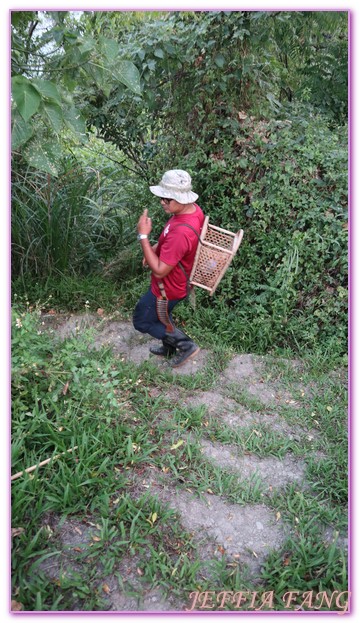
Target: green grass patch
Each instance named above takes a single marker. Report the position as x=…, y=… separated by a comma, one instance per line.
x=120, y=424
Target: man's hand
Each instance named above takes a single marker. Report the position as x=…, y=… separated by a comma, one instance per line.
x=144, y=225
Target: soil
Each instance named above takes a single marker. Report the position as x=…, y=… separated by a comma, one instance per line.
x=245, y=533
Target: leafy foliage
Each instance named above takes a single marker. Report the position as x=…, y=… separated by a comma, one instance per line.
x=46, y=69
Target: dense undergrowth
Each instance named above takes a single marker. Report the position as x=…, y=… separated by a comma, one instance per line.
x=284, y=183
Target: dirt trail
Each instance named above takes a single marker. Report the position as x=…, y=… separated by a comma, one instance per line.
x=247, y=532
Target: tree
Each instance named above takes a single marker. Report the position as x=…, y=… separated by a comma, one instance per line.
x=51, y=60
x=199, y=70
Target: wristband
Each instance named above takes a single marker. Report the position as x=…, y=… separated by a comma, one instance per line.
x=141, y=236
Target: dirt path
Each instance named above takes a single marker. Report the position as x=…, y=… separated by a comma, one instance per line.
x=246, y=532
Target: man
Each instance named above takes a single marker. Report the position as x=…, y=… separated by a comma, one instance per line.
x=169, y=280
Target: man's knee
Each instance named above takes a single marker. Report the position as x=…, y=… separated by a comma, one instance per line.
x=139, y=321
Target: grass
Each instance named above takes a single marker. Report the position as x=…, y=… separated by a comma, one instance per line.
x=126, y=428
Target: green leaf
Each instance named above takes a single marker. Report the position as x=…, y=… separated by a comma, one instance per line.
x=21, y=132
x=97, y=72
x=169, y=48
x=42, y=156
x=47, y=89
x=69, y=82
x=127, y=73
x=26, y=97
x=110, y=48
x=55, y=115
x=87, y=45
x=219, y=60
x=273, y=100
x=75, y=121
x=159, y=53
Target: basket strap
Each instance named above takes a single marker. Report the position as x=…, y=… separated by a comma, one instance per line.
x=190, y=227
x=188, y=287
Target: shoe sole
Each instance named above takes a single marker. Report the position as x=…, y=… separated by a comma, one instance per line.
x=186, y=360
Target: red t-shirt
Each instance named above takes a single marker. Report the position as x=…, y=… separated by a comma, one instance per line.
x=178, y=244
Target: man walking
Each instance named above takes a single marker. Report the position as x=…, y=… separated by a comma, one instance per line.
x=170, y=261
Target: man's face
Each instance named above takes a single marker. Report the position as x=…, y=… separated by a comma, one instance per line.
x=171, y=206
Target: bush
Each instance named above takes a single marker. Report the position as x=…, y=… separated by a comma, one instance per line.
x=285, y=184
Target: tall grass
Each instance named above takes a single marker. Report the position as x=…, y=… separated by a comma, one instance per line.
x=67, y=225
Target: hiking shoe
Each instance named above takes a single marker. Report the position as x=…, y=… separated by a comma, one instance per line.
x=166, y=350
x=184, y=355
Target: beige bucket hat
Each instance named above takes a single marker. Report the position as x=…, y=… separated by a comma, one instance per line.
x=175, y=184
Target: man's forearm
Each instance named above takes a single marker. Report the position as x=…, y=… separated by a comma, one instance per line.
x=150, y=256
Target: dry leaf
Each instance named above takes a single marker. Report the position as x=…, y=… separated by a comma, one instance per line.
x=96, y=538
x=77, y=530
x=255, y=554
x=106, y=589
x=154, y=517
x=278, y=515
x=139, y=571
x=210, y=491
x=16, y=606
x=65, y=388
x=177, y=445
x=100, y=311
x=49, y=531
x=77, y=549
x=286, y=562
x=17, y=531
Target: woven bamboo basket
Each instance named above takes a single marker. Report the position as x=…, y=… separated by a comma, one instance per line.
x=214, y=253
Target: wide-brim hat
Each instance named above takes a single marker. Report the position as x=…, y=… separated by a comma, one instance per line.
x=175, y=184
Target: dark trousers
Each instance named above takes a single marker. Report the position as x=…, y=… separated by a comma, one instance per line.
x=145, y=317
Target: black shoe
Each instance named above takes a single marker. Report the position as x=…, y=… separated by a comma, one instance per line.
x=166, y=350
x=184, y=344
x=184, y=355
